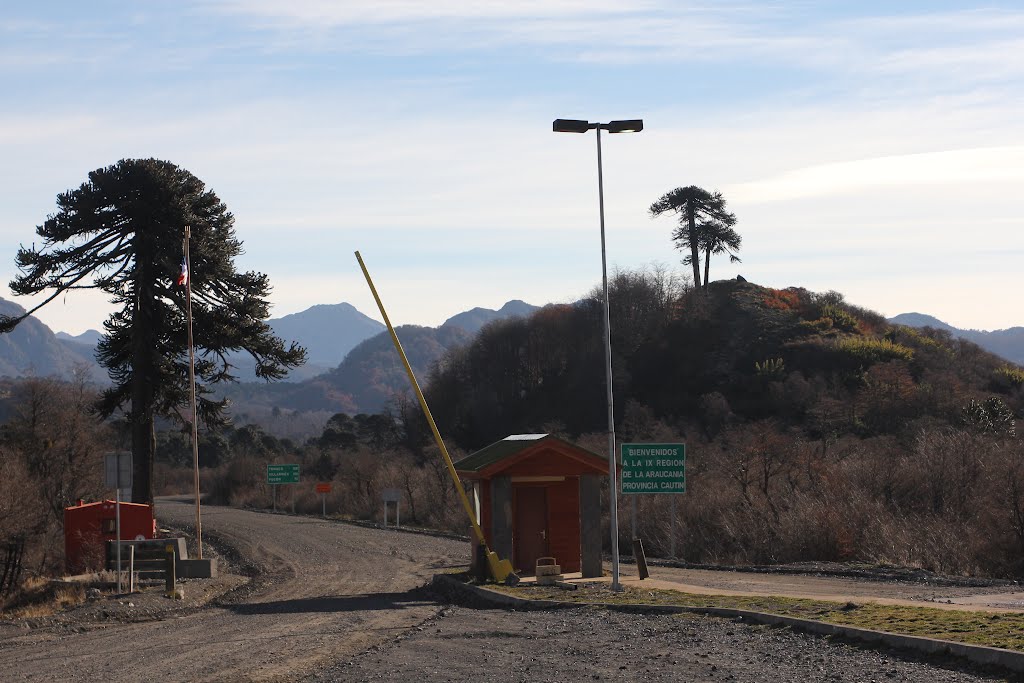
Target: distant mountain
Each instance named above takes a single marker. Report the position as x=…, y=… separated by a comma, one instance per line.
x=327, y=331
x=90, y=337
x=473, y=320
x=364, y=382
x=372, y=372
x=32, y=349
x=1006, y=343
x=921, y=320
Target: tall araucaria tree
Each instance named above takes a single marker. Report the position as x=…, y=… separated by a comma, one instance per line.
x=704, y=224
x=121, y=232
x=716, y=238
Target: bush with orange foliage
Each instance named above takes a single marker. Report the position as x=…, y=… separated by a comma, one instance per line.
x=782, y=299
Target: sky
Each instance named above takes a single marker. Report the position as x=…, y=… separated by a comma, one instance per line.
x=872, y=148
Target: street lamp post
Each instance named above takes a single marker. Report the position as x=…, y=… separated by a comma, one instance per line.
x=625, y=126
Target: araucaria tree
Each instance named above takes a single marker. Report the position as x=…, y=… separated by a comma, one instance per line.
x=121, y=232
x=704, y=225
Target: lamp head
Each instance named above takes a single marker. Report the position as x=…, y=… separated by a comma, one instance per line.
x=570, y=126
x=628, y=126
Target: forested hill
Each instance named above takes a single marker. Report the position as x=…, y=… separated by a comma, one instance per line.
x=710, y=359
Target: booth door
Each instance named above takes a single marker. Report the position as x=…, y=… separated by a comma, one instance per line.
x=530, y=533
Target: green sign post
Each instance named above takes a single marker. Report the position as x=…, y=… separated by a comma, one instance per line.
x=653, y=468
x=282, y=474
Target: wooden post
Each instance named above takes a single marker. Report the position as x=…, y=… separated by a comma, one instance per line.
x=641, y=559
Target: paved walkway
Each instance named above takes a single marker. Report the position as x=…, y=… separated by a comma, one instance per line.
x=833, y=589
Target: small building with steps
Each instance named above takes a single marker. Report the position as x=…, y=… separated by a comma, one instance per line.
x=539, y=496
x=88, y=527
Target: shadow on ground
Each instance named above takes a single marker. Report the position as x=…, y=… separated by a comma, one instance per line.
x=339, y=603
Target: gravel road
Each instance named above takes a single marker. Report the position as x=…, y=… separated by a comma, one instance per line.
x=582, y=644
x=324, y=592
x=336, y=602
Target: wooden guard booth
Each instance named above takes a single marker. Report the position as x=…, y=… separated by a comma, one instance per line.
x=539, y=496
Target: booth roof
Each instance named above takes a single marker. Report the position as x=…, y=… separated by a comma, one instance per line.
x=508, y=447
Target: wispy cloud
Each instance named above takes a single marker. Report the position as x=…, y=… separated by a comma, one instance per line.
x=957, y=167
x=654, y=31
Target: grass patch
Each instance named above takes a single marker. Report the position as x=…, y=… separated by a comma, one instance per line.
x=40, y=598
x=870, y=351
x=993, y=629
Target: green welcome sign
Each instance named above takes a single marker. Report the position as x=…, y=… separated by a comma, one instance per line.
x=653, y=468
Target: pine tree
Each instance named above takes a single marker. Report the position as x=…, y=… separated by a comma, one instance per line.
x=121, y=232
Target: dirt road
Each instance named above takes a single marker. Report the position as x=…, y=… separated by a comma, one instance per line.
x=334, y=602
x=324, y=592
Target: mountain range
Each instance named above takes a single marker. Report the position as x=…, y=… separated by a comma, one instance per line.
x=351, y=366
x=1007, y=343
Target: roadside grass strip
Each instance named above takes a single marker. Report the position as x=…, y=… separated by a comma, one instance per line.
x=38, y=597
x=991, y=629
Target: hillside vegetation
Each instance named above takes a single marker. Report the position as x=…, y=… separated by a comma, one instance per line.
x=815, y=429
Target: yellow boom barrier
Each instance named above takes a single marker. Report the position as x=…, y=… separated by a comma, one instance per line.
x=501, y=570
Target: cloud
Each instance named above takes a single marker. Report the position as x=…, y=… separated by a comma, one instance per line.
x=986, y=166
x=666, y=32
x=341, y=13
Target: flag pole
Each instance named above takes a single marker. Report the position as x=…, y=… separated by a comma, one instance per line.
x=192, y=388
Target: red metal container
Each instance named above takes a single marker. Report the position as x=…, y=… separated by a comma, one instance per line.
x=88, y=527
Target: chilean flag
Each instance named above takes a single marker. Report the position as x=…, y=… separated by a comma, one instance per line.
x=183, y=277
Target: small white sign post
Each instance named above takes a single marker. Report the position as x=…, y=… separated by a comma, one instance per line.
x=118, y=471
x=392, y=496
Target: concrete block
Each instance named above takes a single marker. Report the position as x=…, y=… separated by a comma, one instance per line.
x=197, y=569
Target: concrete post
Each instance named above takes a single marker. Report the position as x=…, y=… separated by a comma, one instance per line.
x=169, y=578
x=501, y=516
x=590, y=525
